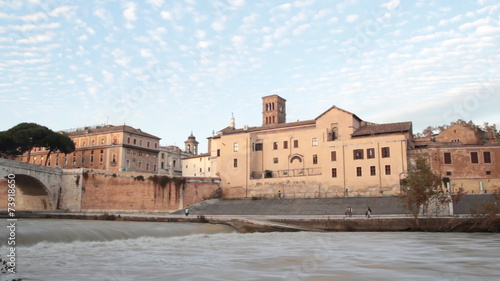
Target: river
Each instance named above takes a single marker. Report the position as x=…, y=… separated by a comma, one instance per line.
x=110, y=250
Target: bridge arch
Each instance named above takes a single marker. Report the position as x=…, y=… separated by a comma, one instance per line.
x=37, y=187
x=31, y=194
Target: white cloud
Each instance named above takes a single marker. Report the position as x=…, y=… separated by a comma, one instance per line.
x=300, y=29
x=146, y=53
x=34, y=17
x=62, y=10
x=156, y=3
x=203, y=44
x=219, y=24
x=108, y=76
x=487, y=30
x=36, y=38
x=237, y=4
x=83, y=37
x=391, y=5
x=351, y=18
x=129, y=11
x=166, y=15
x=238, y=41
x=474, y=24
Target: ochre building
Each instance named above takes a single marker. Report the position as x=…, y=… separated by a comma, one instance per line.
x=107, y=147
x=465, y=157
x=335, y=154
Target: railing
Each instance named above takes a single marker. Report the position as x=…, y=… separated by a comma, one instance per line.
x=316, y=194
x=285, y=173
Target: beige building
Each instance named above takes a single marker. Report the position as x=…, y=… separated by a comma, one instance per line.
x=170, y=160
x=107, y=147
x=335, y=154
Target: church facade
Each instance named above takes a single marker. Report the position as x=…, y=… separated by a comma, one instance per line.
x=335, y=154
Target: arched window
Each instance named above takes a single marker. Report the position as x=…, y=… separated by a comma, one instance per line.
x=296, y=157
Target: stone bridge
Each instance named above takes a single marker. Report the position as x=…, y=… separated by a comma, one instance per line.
x=37, y=187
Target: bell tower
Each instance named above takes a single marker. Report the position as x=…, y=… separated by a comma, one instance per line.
x=191, y=145
x=273, y=110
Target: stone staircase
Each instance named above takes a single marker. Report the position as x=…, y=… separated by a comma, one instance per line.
x=389, y=205
x=304, y=206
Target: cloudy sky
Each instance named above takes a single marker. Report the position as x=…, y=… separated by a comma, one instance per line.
x=171, y=67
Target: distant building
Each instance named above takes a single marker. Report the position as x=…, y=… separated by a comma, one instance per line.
x=170, y=160
x=466, y=156
x=108, y=147
x=335, y=154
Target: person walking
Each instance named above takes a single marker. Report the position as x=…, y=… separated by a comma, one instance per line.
x=186, y=211
x=368, y=212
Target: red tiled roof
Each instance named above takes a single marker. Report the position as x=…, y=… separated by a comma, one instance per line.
x=377, y=129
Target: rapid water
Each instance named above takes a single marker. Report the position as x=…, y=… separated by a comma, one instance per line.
x=96, y=250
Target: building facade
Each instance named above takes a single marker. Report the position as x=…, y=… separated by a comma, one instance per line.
x=108, y=147
x=465, y=157
x=336, y=154
x=170, y=160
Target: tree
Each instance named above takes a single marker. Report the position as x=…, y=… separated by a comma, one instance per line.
x=24, y=137
x=58, y=142
x=419, y=187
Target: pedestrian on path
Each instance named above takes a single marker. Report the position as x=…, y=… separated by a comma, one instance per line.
x=368, y=212
x=186, y=211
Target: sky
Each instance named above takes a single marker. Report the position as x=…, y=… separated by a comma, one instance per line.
x=172, y=67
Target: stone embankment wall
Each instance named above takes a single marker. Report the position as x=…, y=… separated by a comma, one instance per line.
x=107, y=191
x=114, y=192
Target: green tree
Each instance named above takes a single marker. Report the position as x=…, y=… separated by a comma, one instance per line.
x=58, y=142
x=24, y=137
x=419, y=187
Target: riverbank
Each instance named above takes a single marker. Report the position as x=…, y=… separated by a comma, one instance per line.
x=283, y=223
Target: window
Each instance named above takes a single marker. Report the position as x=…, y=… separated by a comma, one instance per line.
x=488, y=172
x=295, y=143
x=370, y=153
x=235, y=147
x=447, y=158
x=334, y=172
x=147, y=166
x=102, y=141
x=373, y=171
x=333, y=155
x=135, y=141
x=275, y=160
x=285, y=144
x=448, y=173
x=474, y=158
x=140, y=165
x=93, y=142
x=387, y=169
x=140, y=142
x=91, y=157
x=386, y=152
x=314, y=141
x=275, y=145
x=359, y=172
x=258, y=147
x=315, y=158
x=358, y=154
x=128, y=151
x=128, y=140
x=147, y=144
x=487, y=157
x=218, y=152
x=235, y=163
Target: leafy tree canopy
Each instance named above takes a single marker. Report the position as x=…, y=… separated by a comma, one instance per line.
x=25, y=136
x=420, y=185
x=490, y=129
